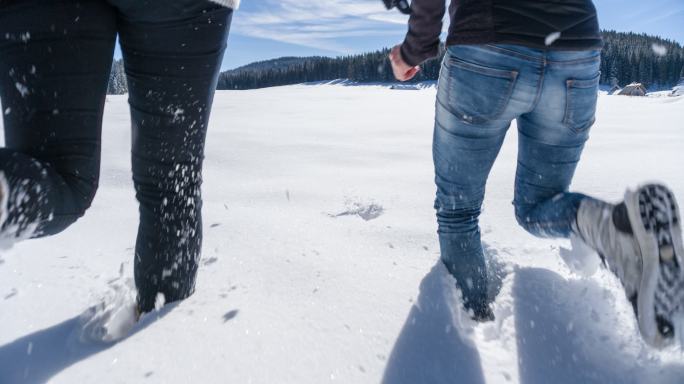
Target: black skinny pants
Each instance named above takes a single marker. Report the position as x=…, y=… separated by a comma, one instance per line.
x=55, y=59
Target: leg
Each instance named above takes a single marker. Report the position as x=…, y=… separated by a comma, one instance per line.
x=55, y=58
x=543, y=205
x=172, y=59
x=640, y=239
x=551, y=140
x=466, y=143
x=462, y=164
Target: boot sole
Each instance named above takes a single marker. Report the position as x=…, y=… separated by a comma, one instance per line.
x=654, y=215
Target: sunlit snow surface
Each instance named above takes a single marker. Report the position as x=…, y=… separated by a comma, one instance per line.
x=320, y=257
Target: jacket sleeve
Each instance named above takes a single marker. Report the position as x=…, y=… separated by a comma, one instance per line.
x=425, y=26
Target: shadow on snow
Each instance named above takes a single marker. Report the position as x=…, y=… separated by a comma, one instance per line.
x=37, y=357
x=567, y=331
x=429, y=349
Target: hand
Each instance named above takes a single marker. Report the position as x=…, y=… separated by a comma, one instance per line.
x=401, y=70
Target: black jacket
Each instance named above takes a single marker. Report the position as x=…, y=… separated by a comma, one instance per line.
x=531, y=23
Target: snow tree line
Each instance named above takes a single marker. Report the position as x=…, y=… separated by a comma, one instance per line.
x=631, y=57
x=117, y=79
x=366, y=67
x=626, y=58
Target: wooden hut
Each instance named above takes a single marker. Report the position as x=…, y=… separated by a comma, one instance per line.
x=634, y=89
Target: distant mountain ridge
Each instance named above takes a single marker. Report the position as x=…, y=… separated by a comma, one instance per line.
x=626, y=57
x=278, y=63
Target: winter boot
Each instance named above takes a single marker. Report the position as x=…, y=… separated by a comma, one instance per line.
x=640, y=240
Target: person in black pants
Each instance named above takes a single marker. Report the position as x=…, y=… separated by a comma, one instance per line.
x=55, y=61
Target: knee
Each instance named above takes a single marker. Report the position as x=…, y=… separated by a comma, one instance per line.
x=454, y=215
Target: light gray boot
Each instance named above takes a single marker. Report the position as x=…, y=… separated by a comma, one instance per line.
x=640, y=240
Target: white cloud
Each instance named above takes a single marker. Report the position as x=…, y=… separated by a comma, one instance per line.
x=317, y=24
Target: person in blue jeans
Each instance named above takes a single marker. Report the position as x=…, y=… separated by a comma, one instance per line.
x=539, y=66
x=55, y=60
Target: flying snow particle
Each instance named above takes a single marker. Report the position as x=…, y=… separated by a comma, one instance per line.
x=658, y=49
x=159, y=301
x=551, y=38
x=8, y=111
x=178, y=114
x=22, y=89
x=166, y=272
x=580, y=258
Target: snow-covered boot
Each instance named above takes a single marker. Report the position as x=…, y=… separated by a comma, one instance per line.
x=114, y=316
x=640, y=240
x=479, y=312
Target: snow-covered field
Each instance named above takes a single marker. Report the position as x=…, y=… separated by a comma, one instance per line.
x=320, y=257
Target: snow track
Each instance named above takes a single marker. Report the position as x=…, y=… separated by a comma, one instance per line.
x=320, y=257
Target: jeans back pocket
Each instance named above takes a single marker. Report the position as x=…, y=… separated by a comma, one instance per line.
x=580, y=103
x=477, y=93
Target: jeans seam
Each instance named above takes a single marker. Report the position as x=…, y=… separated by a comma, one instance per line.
x=482, y=69
x=540, y=85
x=576, y=61
x=548, y=143
x=567, y=121
x=512, y=53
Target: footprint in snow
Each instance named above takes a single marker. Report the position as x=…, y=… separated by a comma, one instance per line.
x=230, y=315
x=367, y=210
x=11, y=294
x=210, y=261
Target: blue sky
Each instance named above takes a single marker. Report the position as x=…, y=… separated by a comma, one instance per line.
x=266, y=29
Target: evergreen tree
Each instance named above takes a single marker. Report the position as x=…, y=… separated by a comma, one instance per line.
x=625, y=58
x=117, y=79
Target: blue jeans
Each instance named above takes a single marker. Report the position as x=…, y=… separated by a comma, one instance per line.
x=55, y=60
x=482, y=88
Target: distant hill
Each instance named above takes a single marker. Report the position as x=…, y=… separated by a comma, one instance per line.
x=366, y=67
x=280, y=63
x=626, y=58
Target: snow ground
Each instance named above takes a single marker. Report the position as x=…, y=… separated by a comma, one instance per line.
x=320, y=257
